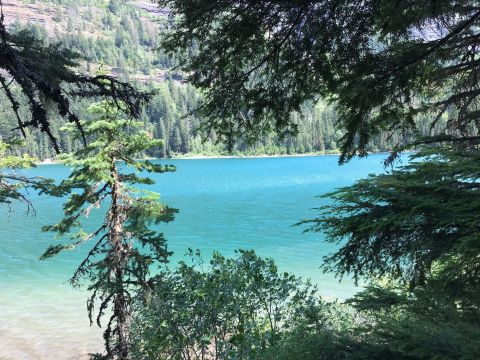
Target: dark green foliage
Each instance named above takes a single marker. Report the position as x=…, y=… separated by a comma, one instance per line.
x=124, y=246
x=424, y=324
x=223, y=312
x=378, y=298
x=404, y=337
x=417, y=224
x=231, y=310
x=390, y=324
x=386, y=64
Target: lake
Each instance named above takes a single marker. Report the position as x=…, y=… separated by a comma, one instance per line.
x=225, y=204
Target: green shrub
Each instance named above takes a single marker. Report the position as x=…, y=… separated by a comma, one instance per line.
x=234, y=310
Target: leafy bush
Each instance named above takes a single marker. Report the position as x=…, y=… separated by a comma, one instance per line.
x=234, y=310
x=244, y=308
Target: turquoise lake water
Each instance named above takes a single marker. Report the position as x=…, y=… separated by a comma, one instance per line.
x=225, y=204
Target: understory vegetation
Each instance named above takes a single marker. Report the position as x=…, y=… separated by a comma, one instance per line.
x=245, y=308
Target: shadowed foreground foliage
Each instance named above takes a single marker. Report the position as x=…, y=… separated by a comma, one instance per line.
x=386, y=64
x=418, y=225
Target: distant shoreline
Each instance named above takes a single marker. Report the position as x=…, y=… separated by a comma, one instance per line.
x=200, y=157
x=206, y=157
x=203, y=157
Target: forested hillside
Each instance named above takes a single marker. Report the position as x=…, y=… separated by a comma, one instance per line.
x=123, y=37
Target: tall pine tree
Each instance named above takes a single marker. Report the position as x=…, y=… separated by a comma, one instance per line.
x=124, y=246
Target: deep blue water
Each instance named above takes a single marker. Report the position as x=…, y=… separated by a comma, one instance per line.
x=224, y=204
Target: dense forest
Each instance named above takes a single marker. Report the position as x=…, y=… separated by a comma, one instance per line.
x=124, y=38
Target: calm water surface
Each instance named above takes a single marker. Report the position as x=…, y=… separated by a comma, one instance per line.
x=225, y=204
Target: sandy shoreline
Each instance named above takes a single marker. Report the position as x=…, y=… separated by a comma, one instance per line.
x=202, y=157
x=199, y=157
x=205, y=157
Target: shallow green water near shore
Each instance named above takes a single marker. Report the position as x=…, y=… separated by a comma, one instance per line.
x=225, y=204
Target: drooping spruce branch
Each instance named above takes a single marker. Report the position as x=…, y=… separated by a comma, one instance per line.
x=124, y=246
x=418, y=225
x=388, y=65
x=46, y=74
x=14, y=184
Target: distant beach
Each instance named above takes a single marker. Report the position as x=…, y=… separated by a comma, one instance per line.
x=50, y=161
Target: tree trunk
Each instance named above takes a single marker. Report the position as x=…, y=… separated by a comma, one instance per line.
x=119, y=257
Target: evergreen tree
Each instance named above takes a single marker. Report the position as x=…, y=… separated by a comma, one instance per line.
x=385, y=64
x=124, y=247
